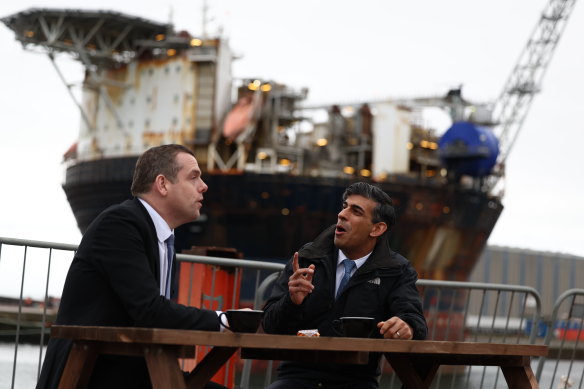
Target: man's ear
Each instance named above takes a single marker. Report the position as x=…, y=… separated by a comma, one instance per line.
x=159, y=185
x=378, y=229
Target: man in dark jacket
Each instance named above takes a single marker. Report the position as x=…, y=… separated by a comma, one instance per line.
x=311, y=292
x=122, y=273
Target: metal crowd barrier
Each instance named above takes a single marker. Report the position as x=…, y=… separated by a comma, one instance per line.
x=471, y=311
x=454, y=311
x=565, y=340
x=14, y=256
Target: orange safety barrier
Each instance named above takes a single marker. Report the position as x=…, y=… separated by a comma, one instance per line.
x=211, y=287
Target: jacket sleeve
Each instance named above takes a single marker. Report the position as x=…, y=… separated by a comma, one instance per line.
x=281, y=315
x=405, y=303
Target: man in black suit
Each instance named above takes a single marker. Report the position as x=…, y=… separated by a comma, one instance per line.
x=122, y=272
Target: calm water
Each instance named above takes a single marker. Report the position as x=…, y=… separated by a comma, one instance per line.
x=28, y=356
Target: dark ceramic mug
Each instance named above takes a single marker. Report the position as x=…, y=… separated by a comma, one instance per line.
x=242, y=320
x=356, y=327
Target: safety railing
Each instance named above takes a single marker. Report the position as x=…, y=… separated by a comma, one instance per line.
x=454, y=311
x=27, y=265
x=476, y=312
x=565, y=339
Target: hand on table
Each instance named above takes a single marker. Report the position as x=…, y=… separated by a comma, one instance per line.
x=395, y=328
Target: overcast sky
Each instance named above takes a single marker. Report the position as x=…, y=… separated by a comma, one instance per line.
x=342, y=51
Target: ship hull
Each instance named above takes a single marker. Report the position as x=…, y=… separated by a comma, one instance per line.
x=441, y=229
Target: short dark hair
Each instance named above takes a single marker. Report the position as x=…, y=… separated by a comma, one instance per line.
x=383, y=211
x=156, y=160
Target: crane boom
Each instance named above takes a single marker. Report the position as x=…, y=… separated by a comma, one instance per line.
x=524, y=82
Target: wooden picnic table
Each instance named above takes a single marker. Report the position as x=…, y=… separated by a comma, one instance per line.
x=415, y=362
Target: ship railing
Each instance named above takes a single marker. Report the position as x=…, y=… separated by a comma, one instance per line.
x=454, y=310
x=565, y=339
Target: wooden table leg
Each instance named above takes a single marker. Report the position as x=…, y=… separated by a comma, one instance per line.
x=163, y=367
x=412, y=376
x=208, y=366
x=79, y=366
x=520, y=377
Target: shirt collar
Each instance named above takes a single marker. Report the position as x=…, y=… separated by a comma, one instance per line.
x=163, y=231
x=358, y=262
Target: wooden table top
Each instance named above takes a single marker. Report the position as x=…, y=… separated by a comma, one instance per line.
x=290, y=342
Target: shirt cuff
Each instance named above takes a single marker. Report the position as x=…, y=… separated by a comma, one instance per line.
x=222, y=320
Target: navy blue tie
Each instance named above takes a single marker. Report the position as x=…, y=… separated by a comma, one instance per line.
x=169, y=257
x=349, y=266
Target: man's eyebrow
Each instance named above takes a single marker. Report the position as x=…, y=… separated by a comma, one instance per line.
x=355, y=206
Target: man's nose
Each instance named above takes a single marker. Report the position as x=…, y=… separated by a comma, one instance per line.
x=205, y=187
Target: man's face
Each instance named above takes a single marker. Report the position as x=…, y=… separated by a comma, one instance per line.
x=353, y=234
x=185, y=195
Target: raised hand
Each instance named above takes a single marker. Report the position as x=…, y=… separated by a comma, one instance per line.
x=300, y=282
